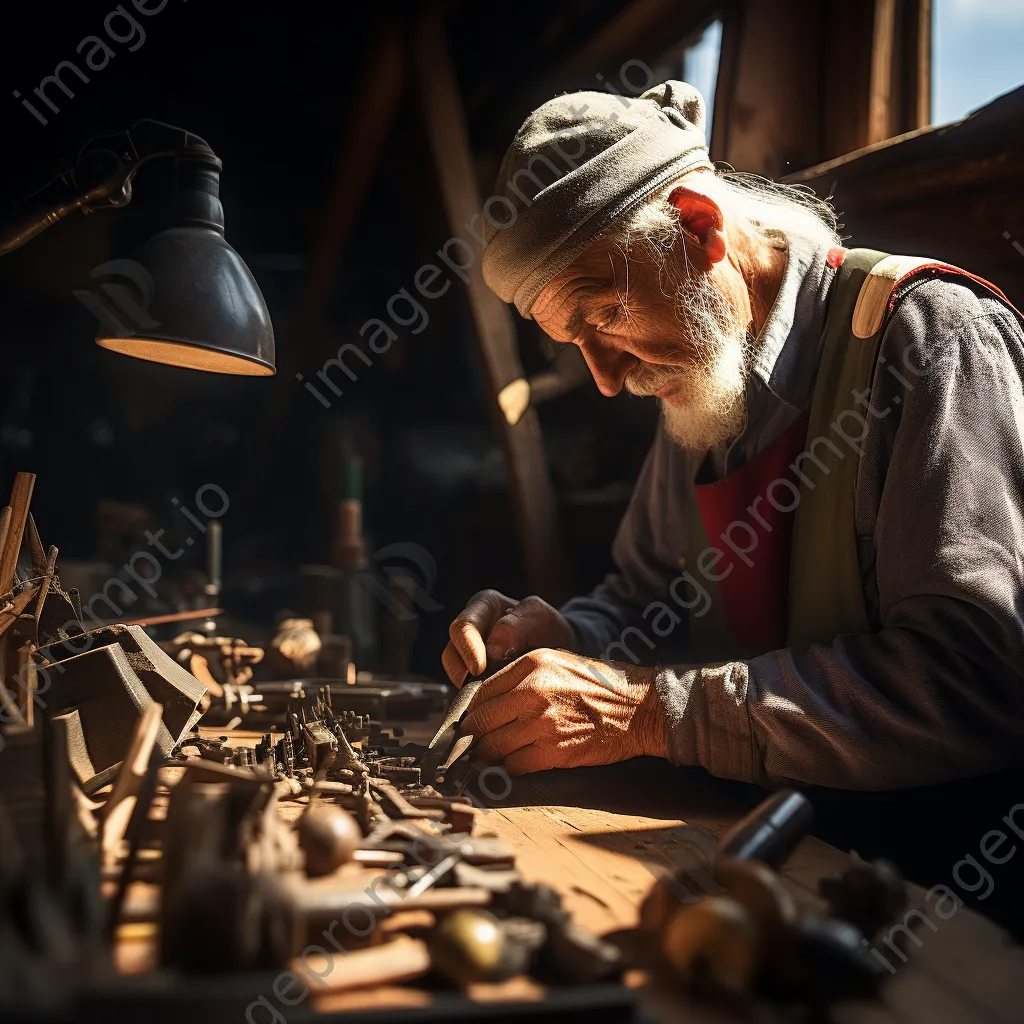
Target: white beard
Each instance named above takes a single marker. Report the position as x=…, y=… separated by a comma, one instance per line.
x=708, y=408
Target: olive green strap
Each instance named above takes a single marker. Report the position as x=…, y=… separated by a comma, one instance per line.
x=826, y=596
x=709, y=635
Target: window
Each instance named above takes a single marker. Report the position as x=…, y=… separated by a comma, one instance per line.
x=695, y=60
x=977, y=54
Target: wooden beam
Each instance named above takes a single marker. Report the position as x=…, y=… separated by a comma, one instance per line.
x=800, y=83
x=918, y=74
x=618, y=38
x=880, y=94
x=767, y=104
x=525, y=458
x=897, y=195
x=21, y=497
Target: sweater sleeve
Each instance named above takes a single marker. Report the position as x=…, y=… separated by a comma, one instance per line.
x=936, y=691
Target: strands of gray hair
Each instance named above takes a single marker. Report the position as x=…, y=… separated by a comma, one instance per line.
x=768, y=207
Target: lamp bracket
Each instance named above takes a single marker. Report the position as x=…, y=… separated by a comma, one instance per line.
x=102, y=176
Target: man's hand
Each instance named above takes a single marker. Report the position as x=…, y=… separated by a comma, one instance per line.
x=494, y=627
x=551, y=709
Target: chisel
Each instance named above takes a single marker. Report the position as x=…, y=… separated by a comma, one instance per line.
x=441, y=744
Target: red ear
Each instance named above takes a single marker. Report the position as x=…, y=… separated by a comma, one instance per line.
x=701, y=220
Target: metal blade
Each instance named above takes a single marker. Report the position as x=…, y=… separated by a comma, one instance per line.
x=461, y=745
x=441, y=744
x=457, y=709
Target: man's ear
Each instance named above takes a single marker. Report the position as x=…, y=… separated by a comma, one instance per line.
x=701, y=219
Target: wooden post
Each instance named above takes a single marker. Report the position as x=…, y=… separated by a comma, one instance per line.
x=880, y=95
x=800, y=83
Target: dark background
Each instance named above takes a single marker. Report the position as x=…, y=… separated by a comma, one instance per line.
x=270, y=87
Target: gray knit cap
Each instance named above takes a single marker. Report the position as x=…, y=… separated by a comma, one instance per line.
x=579, y=164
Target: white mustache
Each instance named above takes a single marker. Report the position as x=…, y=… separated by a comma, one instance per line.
x=647, y=379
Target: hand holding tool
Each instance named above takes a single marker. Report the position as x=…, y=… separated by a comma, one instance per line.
x=493, y=626
x=442, y=745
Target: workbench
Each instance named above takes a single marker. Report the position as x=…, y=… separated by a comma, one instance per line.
x=603, y=835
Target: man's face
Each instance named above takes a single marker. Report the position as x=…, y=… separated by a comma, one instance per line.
x=671, y=331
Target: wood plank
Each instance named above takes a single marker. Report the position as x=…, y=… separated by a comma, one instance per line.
x=21, y=497
x=600, y=886
x=880, y=95
x=18, y=603
x=5, y=525
x=605, y=863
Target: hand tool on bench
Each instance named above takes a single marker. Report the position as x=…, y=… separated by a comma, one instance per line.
x=441, y=750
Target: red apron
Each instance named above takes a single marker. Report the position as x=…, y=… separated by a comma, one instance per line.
x=748, y=516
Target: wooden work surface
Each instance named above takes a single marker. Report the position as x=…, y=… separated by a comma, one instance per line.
x=602, y=835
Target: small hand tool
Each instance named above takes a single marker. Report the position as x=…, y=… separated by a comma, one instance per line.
x=441, y=745
x=771, y=831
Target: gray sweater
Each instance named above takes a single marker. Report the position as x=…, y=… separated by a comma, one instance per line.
x=936, y=690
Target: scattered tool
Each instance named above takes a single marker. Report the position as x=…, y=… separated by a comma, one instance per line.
x=713, y=944
x=468, y=945
x=867, y=895
x=748, y=933
x=771, y=830
x=444, y=749
x=328, y=836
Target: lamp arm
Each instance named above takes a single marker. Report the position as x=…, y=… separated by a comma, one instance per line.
x=102, y=177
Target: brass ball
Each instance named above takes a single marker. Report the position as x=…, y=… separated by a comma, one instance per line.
x=467, y=945
x=713, y=942
x=328, y=836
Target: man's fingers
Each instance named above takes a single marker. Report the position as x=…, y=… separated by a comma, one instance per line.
x=525, y=627
x=469, y=644
x=509, y=738
x=469, y=631
x=531, y=759
x=501, y=684
x=453, y=665
x=492, y=715
x=498, y=704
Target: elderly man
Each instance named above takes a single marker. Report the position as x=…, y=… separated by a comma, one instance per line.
x=820, y=575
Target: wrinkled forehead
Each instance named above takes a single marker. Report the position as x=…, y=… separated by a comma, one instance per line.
x=599, y=268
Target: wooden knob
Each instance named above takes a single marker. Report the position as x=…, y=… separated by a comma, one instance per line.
x=769, y=906
x=328, y=836
x=713, y=943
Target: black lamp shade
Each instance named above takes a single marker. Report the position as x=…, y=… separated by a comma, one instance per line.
x=206, y=310
x=201, y=307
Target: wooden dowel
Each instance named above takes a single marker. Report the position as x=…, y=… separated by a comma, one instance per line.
x=402, y=959
x=155, y=620
x=5, y=525
x=21, y=497
x=119, y=807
